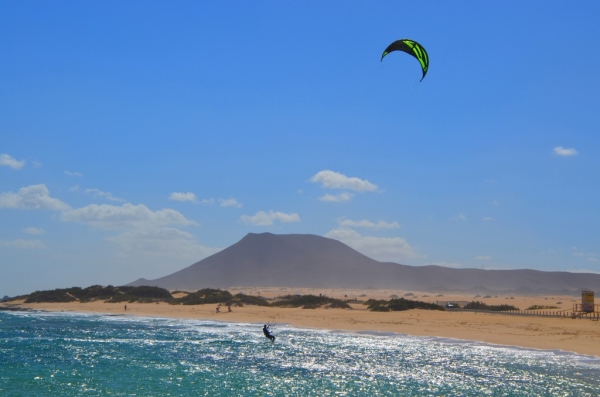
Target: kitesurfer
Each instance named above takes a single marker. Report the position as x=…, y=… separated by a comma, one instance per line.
x=267, y=332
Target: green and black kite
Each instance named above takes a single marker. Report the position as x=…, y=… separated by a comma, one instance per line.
x=410, y=47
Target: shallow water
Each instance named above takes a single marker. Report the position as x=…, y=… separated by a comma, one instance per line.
x=67, y=354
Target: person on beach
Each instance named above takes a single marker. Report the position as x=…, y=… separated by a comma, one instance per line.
x=218, y=309
x=267, y=332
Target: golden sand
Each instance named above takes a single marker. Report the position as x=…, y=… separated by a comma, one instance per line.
x=575, y=335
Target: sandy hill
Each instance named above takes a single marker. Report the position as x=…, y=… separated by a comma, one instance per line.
x=304, y=260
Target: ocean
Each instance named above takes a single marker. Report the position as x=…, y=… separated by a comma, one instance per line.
x=70, y=354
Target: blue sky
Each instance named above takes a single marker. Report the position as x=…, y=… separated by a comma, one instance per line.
x=137, y=138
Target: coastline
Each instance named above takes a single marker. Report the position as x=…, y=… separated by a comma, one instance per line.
x=580, y=336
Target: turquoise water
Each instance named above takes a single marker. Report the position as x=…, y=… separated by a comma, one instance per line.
x=64, y=354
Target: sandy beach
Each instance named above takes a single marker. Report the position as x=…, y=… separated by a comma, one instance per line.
x=574, y=335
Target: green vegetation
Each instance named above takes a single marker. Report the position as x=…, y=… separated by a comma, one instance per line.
x=493, y=308
x=50, y=296
x=98, y=292
x=399, y=305
x=146, y=294
x=310, y=302
x=538, y=307
x=203, y=296
x=242, y=299
x=143, y=294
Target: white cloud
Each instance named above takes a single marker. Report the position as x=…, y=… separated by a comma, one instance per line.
x=393, y=249
x=487, y=219
x=483, y=258
x=583, y=271
x=126, y=216
x=368, y=224
x=32, y=197
x=230, y=202
x=565, y=152
x=192, y=198
x=178, y=196
x=589, y=256
x=334, y=180
x=454, y=265
x=34, y=231
x=73, y=173
x=97, y=193
x=336, y=198
x=23, y=244
x=166, y=242
x=142, y=233
x=458, y=217
x=262, y=218
x=7, y=160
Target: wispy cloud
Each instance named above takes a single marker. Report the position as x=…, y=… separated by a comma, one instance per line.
x=487, y=219
x=483, y=258
x=165, y=242
x=140, y=231
x=73, y=173
x=33, y=197
x=192, y=198
x=137, y=230
x=179, y=196
x=23, y=244
x=589, y=256
x=368, y=224
x=230, y=202
x=262, y=218
x=126, y=216
x=584, y=271
x=393, y=249
x=460, y=217
x=97, y=193
x=565, y=152
x=9, y=161
x=454, y=265
x=334, y=180
x=36, y=231
x=336, y=198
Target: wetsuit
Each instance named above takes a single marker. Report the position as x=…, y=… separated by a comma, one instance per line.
x=267, y=333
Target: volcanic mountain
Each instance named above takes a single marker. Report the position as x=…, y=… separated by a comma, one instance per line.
x=304, y=260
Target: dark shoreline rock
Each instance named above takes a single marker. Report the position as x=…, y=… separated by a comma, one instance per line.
x=14, y=309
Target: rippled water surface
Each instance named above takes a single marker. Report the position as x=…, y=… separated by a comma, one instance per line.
x=60, y=354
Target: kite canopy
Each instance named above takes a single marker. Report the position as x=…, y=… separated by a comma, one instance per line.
x=410, y=47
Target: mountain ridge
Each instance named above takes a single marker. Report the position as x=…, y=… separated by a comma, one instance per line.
x=310, y=261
